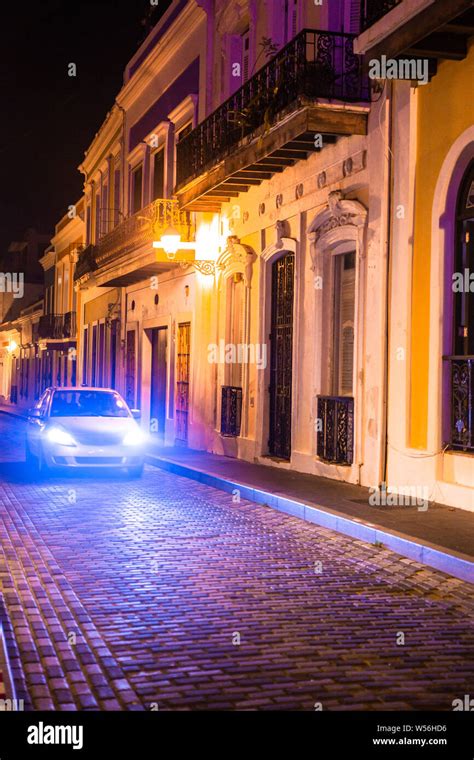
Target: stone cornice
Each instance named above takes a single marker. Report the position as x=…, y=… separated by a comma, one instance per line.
x=69, y=234
x=103, y=142
x=48, y=260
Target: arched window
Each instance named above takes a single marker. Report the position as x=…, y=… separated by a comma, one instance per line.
x=461, y=394
x=463, y=278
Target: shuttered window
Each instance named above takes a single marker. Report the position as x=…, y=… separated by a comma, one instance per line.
x=97, y=216
x=245, y=56
x=351, y=16
x=236, y=310
x=158, y=174
x=116, y=211
x=290, y=19
x=137, y=189
x=344, y=309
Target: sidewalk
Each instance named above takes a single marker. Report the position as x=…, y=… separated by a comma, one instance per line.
x=441, y=536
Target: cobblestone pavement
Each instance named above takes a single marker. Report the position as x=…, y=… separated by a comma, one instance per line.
x=165, y=594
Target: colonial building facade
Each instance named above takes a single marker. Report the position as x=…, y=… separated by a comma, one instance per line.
x=259, y=140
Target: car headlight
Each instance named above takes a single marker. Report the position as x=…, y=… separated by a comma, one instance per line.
x=134, y=438
x=60, y=436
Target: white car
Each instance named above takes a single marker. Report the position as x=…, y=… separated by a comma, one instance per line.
x=84, y=427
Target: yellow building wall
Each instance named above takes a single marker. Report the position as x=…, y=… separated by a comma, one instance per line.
x=445, y=110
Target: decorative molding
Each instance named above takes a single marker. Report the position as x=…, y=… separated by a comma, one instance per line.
x=205, y=266
x=229, y=16
x=346, y=168
x=281, y=232
x=237, y=257
x=340, y=220
x=321, y=180
x=282, y=241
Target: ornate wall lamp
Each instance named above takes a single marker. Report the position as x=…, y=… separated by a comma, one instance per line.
x=171, y=243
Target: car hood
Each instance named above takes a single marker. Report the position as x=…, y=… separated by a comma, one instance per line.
x=96, y=430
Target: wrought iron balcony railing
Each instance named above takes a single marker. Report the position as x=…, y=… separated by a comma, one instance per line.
x=335, y=438
x=315, y=64
x=57, y=326
x=373, y=10
x=231, y=411
x=146, y=225
x=462, y=402
x=86, y=262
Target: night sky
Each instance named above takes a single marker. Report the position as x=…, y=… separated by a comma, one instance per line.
x=48, y=119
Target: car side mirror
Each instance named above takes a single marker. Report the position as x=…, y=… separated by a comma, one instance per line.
x=136, y=414
x=35, y=413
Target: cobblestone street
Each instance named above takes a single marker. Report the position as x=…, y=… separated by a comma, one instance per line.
x=164, y=594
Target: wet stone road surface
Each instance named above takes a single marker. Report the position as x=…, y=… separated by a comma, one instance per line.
x=164, y=594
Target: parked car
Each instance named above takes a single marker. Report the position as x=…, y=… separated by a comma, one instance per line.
x=84, y=427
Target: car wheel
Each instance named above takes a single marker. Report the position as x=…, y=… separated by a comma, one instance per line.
x=135, y=472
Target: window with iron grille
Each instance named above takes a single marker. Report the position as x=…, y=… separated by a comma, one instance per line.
x=231, y=411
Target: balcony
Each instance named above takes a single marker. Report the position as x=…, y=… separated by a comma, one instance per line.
x=462, y=402
x=125, y=254
x=415, y=29
x=231, y=411
x=335, y=440
x=57, y=326
x=373, y=10
x=86, y=262
x=271, y=122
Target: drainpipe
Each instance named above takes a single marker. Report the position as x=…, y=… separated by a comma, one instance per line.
x=390, y=179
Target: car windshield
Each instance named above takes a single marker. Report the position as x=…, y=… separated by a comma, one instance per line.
x=88, y=404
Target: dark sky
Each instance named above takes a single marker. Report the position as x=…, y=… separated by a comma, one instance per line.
x=48, y=118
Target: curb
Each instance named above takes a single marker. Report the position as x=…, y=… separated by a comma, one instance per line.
x=455, y=564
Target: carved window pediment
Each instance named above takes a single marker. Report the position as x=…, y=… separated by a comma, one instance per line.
x=338, y=213
x=237, y=257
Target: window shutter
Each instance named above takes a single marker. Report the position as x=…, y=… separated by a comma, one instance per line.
x=346, y=363
x=245, y=56
x=294, y=19
x=237, y=317
x=116, y=215
x=352, y=16
x=97, y=216
x=158, y=174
